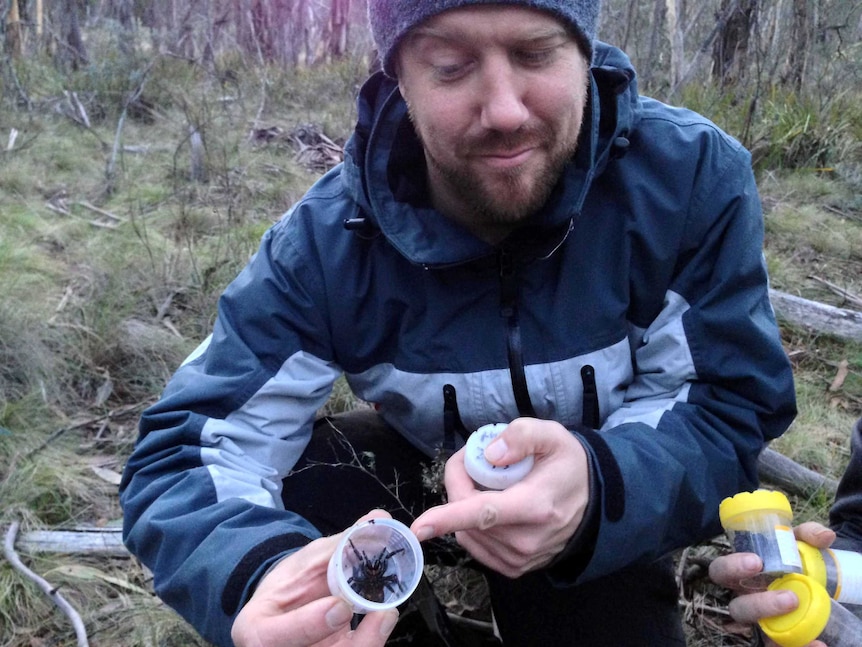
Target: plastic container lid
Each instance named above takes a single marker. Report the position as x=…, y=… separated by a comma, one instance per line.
x=492, y=477
x=733, y=509
x=377, y=565
x=807, y=622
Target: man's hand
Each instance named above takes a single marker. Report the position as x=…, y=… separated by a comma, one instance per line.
x=738, y=571
x=524, y=527
x=292, y=606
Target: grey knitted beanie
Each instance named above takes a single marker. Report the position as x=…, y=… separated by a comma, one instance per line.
x=391, y=19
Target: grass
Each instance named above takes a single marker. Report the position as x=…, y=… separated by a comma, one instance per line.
x=97, y=311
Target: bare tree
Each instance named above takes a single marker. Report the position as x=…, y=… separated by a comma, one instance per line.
x=799, y=43
x=338, y=28
x=71, y=51
x=12, y=24
x=675, y=21
x=730, y=55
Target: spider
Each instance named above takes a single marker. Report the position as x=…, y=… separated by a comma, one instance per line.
x=369, y=574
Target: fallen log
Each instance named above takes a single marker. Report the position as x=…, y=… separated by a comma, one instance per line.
x=776, y=469
x=820, y=317
x=101, y=541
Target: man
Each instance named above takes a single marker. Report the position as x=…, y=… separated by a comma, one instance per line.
x=737, y=570
x=515, y=236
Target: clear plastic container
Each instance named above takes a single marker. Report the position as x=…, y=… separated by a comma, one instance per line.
x=485, y=475
x=838, y=571
x=760, y=522
x=377, y=565
x=818, y=617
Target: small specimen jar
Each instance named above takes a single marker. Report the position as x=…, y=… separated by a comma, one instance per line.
x=486, y=475
x=818, y=617
x=760, y=522
x=838, y=571
x=377, y=565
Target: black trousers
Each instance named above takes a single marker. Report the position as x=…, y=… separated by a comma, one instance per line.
x=356, y=463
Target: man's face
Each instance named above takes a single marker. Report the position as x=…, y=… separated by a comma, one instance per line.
x=497, y=96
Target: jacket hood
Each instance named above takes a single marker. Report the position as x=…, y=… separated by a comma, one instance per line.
x=384, y=169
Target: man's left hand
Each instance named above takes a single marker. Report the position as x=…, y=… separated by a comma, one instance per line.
x=524, y=527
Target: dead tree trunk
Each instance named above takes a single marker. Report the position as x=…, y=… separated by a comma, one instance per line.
x=731, y=49
x=71, y=51
x=338, y=28
x=798, y=45
x=13, y=29
x=675, y=21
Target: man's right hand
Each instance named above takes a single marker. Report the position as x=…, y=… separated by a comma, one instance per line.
x=736, y=571
x=292, y=606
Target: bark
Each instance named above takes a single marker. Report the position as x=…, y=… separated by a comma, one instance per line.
x=731, y=49
x=675, y=10
x=819, y=317
x=338, y=28
x=797, y=49
x=72, y=53
x=13, y=29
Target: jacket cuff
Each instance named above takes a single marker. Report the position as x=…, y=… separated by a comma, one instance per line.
x=567, y=567
x=254, y=565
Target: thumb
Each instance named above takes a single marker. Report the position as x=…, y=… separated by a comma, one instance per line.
x=521, y=438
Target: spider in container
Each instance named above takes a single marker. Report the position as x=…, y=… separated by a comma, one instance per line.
x=369, y=577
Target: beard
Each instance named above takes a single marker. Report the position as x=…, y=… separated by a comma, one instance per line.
x=502, y=197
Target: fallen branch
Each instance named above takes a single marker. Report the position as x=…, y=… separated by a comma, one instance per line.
x=101, y=212
x=820, y=317
x=81, y=541
x=792, y=477
x=841, y=292
x=44, y=585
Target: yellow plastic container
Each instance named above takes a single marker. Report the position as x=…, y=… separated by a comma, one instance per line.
x=760, y=522
x=818, y=617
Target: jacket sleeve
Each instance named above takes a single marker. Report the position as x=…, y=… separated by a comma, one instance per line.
x=711, y=384
x=201, y=493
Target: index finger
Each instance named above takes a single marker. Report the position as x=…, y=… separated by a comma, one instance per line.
x=480, y=512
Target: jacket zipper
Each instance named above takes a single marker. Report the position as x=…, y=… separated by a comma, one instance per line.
x=509, y=312
x=591, y=415
x=452, y=423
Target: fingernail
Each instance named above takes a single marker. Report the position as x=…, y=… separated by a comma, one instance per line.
x=389, y=622
x=425, y=532
x=787, y=600
x=496, y=450
x=339, y=615
x=751, y=563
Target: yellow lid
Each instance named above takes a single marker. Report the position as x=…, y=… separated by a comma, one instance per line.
x=747, y=502
x=813, y=564
x=806, y=623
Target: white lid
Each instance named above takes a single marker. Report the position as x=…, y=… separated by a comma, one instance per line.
x=492, y=477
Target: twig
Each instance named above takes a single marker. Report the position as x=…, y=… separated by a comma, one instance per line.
x=44, y=585
x=101, y=212
x=841, y=292
x=113, y=413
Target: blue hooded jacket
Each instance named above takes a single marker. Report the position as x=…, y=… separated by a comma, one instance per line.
x=632, y=309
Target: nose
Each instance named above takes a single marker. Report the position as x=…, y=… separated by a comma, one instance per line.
x=502, y=104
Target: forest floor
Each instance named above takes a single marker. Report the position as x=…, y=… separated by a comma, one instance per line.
x=110, y=266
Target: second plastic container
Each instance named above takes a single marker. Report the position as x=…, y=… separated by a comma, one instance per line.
x=818, y=617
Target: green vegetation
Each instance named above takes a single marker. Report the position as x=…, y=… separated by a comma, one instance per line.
x=112, y=258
